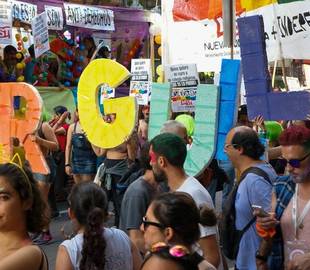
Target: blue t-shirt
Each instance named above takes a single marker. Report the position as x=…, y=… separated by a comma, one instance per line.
x=256, y=190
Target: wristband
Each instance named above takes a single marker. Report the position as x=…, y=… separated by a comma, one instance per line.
x=67, y=165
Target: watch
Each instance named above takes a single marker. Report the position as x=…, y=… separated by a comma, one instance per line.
x=260, y=257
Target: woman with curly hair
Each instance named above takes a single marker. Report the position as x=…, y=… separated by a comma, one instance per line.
x=94, y=247
x=21, y=211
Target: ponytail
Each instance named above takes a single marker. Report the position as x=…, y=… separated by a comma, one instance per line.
x=207, y=216
x=94, y=244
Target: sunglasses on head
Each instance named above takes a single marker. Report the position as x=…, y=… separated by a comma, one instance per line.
x=147, y=223
x=295, y=163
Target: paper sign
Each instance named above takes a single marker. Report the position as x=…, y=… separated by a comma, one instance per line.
x=5, y=23
x=140, y=85
x=106, y=92
x=89, y=17
x=55, y=18
x=184, y=81
x=40, y=34
x=23, y=12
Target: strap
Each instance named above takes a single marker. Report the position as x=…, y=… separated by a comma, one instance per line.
x=74, y=130
x=257, y=171
x=247, y=226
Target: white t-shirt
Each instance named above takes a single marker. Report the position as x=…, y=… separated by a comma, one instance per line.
x=201, y=197
x=117, y=253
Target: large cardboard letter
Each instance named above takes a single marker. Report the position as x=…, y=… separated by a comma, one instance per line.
x=15, y=127
x=261, y=99
x=207, y=107
x=100, y=133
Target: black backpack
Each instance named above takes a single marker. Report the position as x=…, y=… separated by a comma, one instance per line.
x=230, y=236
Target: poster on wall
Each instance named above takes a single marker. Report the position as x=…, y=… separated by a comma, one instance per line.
x=285, y=23
x=23, y=11
x=55, y=20
x=40, y=34
x=184, y=81
x=5, y=23
x=89, y=17
x=141, y=80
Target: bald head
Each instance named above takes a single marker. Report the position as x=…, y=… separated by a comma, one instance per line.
x=174, y=127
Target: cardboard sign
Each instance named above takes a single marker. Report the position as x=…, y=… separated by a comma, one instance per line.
x=23, y=11
x=140, y=85
x=5, y=23
x=13, y=127
x=40, y=34
x=55, y=18
x=89, y=17
x=184, y=81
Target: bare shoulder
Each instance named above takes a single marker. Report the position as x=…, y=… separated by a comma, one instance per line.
x=28, y=257
x=205, y=265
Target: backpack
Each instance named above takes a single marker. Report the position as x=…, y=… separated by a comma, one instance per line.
x=230, y=236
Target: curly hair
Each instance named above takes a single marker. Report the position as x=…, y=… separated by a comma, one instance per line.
x=89, y=205
x=21, y=179
x=248, y=139
x=295, y=135
x=169, y=209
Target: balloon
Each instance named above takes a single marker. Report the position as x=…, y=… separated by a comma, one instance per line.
x=155, y=30
x=19, y=66
x=126, y=40
x=19, y=44
x=127, y=30
x=82, y=47
x=158, y=39
x=21, y=78
x=159, y=51
x=69, y=74
x=159, y=70
x=18, y=37
x=25, y=39
x=79, y=69
x=160, y=79
x=67, y=83
x=69, y=64
x=19, y=55
x=70, y=52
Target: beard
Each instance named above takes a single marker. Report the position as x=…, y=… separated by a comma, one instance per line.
x=303, y=177
x=160, y=176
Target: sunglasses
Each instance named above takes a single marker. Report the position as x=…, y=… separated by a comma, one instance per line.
x=295, y=163
x=147, y=223
x=177, y=251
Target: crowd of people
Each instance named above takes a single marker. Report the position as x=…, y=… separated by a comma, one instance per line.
x=163, y=218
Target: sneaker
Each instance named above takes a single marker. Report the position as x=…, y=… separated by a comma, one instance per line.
x=43, y=239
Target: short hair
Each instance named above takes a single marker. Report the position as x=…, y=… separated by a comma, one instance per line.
x=248, y=139
x=60, y=109
x=170, y=126
x=172, y=147
x=31, y=51
x=295, y=135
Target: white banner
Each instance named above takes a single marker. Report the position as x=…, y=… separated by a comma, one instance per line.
x=184, y=81
x=40, y=34
x=141, y=80
x=23, y=11
x=89, y=17
x=55, y=20
x=201, y=42
x=5, y=23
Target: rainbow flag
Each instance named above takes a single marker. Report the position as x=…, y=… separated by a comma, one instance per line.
x=254, y=4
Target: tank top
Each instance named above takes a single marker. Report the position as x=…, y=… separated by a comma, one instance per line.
x=117, y=253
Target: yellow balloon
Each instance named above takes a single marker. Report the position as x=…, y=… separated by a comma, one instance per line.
x=159, y=51
x=18, y=37
x=100, y=133
x=159, y=70
x=19, y=55
x=21, y=78
x=19, y=65
x=25, y=39
x=160, y=79
x=158, y=39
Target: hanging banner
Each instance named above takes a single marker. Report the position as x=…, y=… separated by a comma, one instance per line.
x=184, y=81
x=141, y=80
x=23, y=11
x=89, y=17
x=194, y=36
x=40, y=35
x=55, y=20
x=5, y=23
